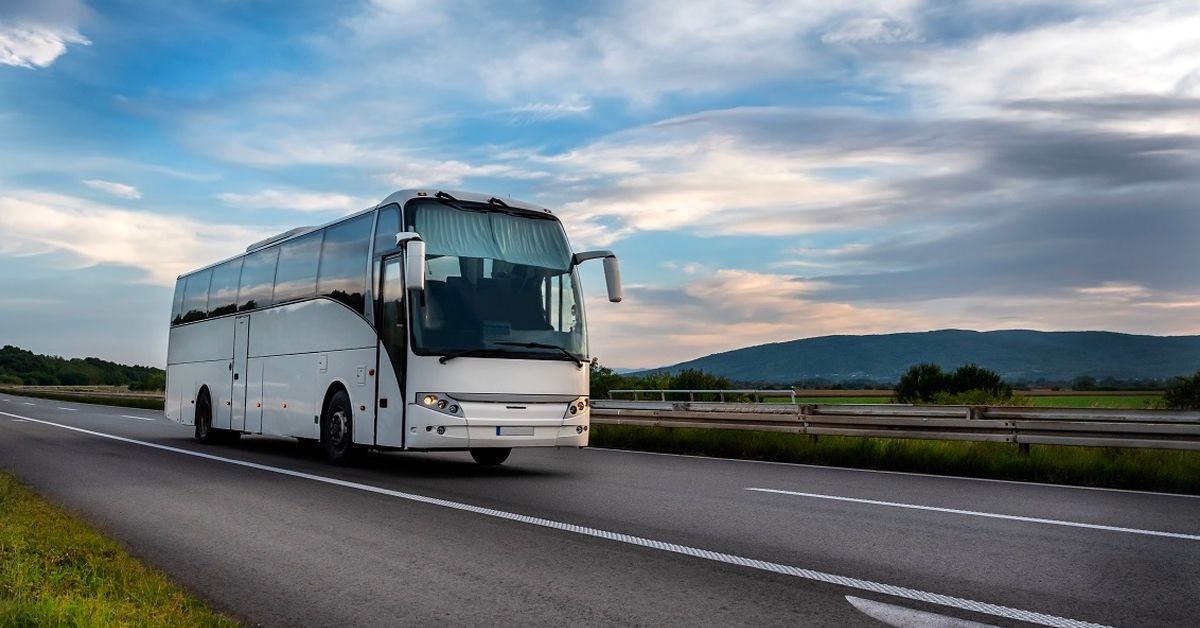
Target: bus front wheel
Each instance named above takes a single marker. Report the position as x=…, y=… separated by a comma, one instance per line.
x=337, y=430
x=491, y=456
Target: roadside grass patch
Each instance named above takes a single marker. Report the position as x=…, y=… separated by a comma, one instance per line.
x=54, y=571
x=145, y=403
x=1171, y=471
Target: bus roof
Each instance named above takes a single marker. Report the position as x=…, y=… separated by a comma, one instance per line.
x=400, y=198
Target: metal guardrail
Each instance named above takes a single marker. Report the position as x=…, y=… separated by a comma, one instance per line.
x=721, y=395
x=1161, y=429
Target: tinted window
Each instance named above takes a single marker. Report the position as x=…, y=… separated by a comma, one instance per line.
x=343, y=273
x=222, y=293
x=296, y=275
x=195, y=297
x=177, y=302
x=386, y=230
x=258, y=277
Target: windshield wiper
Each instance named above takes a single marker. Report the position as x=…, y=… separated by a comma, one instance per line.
x=479, y=351
x=542, y=345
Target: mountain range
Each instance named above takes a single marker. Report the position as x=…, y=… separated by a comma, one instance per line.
x=1017, y=355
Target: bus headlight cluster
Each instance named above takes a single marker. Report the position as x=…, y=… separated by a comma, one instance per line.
x=441, y=402
x=576, y=407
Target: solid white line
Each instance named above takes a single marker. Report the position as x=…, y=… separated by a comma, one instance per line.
x=1103, y=489
x=140, y=418
x=903, y=617
x=731, y=559
x=992, y=515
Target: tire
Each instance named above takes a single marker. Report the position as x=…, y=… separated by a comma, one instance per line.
x=491, y=456
x=337, y=430
x=204, y=429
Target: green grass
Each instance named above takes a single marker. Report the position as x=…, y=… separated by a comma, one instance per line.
x=54, y=571
x=145, y=403
x=1099, y=400
x=1123, y=402
x=1138, y=469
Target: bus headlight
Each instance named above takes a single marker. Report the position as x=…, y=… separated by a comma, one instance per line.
x=576, y=407
x=440, y=402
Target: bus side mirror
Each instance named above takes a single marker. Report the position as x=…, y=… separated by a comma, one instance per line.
x=414, y=260
x=612, y=270
x=612, y=277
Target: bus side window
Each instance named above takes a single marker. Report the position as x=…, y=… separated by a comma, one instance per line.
x=258, y=276
x=387, y=228
x=177, y=303
x=342, y=275
x=296, y=274
x=195, y=297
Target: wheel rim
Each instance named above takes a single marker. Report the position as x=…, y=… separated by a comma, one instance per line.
x=203, y=419
x=338, y=428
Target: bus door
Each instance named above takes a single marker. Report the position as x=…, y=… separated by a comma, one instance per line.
x=391, y=321
x=241, y=346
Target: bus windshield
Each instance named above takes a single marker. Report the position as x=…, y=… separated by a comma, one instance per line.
x=496, y=284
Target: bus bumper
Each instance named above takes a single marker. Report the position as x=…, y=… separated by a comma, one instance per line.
x=429, y=429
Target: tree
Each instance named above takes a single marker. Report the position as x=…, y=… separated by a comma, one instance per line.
x=969, y=377
x=1183, y=393
x=969, y=384
x=921, y=383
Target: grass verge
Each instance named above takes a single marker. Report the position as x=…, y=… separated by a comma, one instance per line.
x=121, y=401
x=1163, y=470
x=54, y=571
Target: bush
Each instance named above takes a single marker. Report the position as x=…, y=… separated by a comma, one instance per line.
x=921, y=383
x=1183, y=393
x=970, y=384
x=11, y=379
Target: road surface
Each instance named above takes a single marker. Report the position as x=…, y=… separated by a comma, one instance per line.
x=267, y=531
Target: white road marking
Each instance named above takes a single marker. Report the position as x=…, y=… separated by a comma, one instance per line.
x=28, y=403
x=730, y=559
x=18, y=420
x=140, y=418
x=992, y=515
x=964, y=478
x=68, y=409
x=902, y=617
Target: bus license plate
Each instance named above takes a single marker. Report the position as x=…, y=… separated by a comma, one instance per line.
x=514, y=431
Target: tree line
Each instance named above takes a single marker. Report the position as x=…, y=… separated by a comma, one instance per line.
x=21, y=367
x=926, y=383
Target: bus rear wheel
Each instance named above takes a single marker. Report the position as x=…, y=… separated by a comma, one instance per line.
x=204, y=429
x=491, y=456
x=337, y=430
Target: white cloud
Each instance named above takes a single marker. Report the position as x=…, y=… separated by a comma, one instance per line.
x=160, y=246
x=296, y=201
x=116, y=189
x=35, y=33
x=1127, y=48
x=35, y=46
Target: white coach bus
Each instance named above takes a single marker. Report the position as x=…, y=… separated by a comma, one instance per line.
x=432, y=321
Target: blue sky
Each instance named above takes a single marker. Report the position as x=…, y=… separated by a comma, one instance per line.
x=765, y=170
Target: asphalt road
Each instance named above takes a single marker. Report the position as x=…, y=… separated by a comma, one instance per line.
x=268, y=532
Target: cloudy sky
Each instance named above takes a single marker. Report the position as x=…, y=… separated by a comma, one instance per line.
x=765, y=170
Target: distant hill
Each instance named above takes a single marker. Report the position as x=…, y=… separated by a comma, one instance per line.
x=18, y=366
x=1018, y=355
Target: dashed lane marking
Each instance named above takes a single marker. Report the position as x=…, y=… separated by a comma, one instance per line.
x=990, y=515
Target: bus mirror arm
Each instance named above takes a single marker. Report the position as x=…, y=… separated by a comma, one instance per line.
x=414, y=260
x=612, y=270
